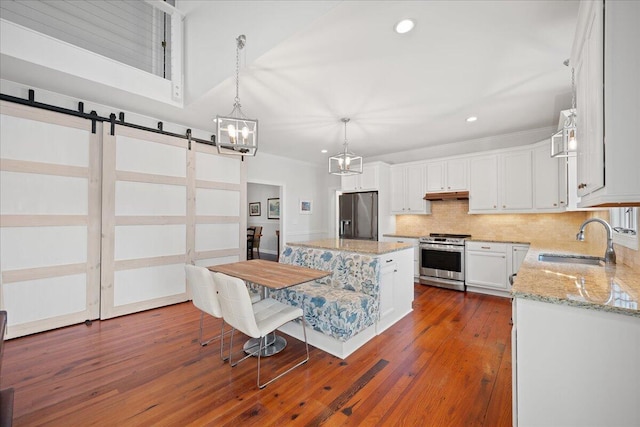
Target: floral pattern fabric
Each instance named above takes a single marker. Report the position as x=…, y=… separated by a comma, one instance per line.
x=341, y=304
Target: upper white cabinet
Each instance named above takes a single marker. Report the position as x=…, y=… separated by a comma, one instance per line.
x=483, y=188
x=517, y=180
x=368, y=180
x=501, y=182
x=606, y=59
x=408, y=189
x=447, y=175
x=550, y=179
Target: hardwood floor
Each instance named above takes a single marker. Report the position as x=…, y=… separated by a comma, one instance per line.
x=447, y=363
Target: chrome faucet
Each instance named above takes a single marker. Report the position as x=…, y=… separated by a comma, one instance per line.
x=610, y=254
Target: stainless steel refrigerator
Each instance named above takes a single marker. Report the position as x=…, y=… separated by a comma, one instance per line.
x=358, y=216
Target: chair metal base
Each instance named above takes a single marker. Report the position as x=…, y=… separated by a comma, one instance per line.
x=220, y=336
x=273, y=344
x=258, y=353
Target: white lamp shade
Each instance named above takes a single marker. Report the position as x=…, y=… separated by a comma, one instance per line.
x=564, y=142
x=345, y=164
x=237, y=136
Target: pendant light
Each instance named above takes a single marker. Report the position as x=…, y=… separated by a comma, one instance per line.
x=345, y=163
x=564, y=142
x=236, y=134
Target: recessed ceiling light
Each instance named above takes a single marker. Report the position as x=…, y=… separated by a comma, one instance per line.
x=323, y=151
x=472, y=119
x=404, y=26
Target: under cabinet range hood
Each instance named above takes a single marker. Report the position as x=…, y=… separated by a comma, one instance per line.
x=449, y=195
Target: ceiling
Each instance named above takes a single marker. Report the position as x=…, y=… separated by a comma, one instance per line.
x=308, y=64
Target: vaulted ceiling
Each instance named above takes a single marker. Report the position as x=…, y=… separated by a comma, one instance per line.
x=309, y=63
x=501, y=61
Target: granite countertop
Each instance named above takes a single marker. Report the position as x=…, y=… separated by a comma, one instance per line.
x=513, y=242
x=405, y=236
x=614, y=288
x=361, y=246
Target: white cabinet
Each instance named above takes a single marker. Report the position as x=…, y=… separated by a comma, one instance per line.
x=447, y=175
x=396, y=287
x=550, y=180
x=518, y=253
x=408, y=189
x=574, y=366
x=589, y=81
x=606, y=59
x=368, y=180
x=483, y=188
x=517, y=180
x=486, y=266
x=416, y=250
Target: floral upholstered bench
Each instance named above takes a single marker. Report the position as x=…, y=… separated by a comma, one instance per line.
x=340, y=306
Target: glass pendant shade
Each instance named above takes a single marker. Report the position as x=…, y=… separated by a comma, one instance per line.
x=237, y=135
x=345, y=163
x=564, y=142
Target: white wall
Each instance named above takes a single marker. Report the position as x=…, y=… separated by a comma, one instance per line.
x=299, y=181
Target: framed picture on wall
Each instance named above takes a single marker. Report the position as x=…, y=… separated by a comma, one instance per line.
x=273, y=208
x=254, y=209
x=306, y=206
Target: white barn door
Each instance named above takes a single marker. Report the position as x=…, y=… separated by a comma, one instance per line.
x=219, y=193
x=144, y=220
x=49, y=219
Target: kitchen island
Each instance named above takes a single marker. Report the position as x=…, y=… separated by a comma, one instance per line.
x=370, y=288
x=575, y=342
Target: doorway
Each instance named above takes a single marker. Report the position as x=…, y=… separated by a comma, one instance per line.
x=265, y=203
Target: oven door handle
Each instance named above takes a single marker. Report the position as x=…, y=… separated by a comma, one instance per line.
x=446, y=248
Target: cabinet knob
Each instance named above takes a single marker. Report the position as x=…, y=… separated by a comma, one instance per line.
x=449, y=188
x=494, y=206
x=581, y=186
x=555, y=204
x=504, y=206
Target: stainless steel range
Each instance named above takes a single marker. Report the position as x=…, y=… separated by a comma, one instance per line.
x=442, y=260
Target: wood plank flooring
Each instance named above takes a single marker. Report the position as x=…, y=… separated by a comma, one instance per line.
x=448, y=363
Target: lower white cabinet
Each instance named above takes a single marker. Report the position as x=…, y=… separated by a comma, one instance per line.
x=574, y=366
x=396, y=287
x=488, y=266
x=416, y=251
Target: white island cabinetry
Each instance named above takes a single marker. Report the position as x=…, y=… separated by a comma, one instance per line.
x=396, y=287
x=415, y=241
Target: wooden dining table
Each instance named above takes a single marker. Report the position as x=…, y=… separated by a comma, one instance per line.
x=269, y=275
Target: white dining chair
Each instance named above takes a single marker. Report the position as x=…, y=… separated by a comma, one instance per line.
x=255, y=320
x=205, y=298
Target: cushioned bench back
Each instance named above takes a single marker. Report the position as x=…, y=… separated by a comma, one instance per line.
x=352, y=271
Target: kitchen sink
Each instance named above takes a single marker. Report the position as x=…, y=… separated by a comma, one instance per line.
x=571, y=259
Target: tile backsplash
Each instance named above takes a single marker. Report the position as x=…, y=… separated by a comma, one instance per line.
x=452, y=216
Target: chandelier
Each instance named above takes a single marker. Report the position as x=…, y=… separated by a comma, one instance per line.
x=345, y=162
x=235, y=133
x=564, y=142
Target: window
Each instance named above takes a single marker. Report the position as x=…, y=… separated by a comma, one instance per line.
x=625, y=226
